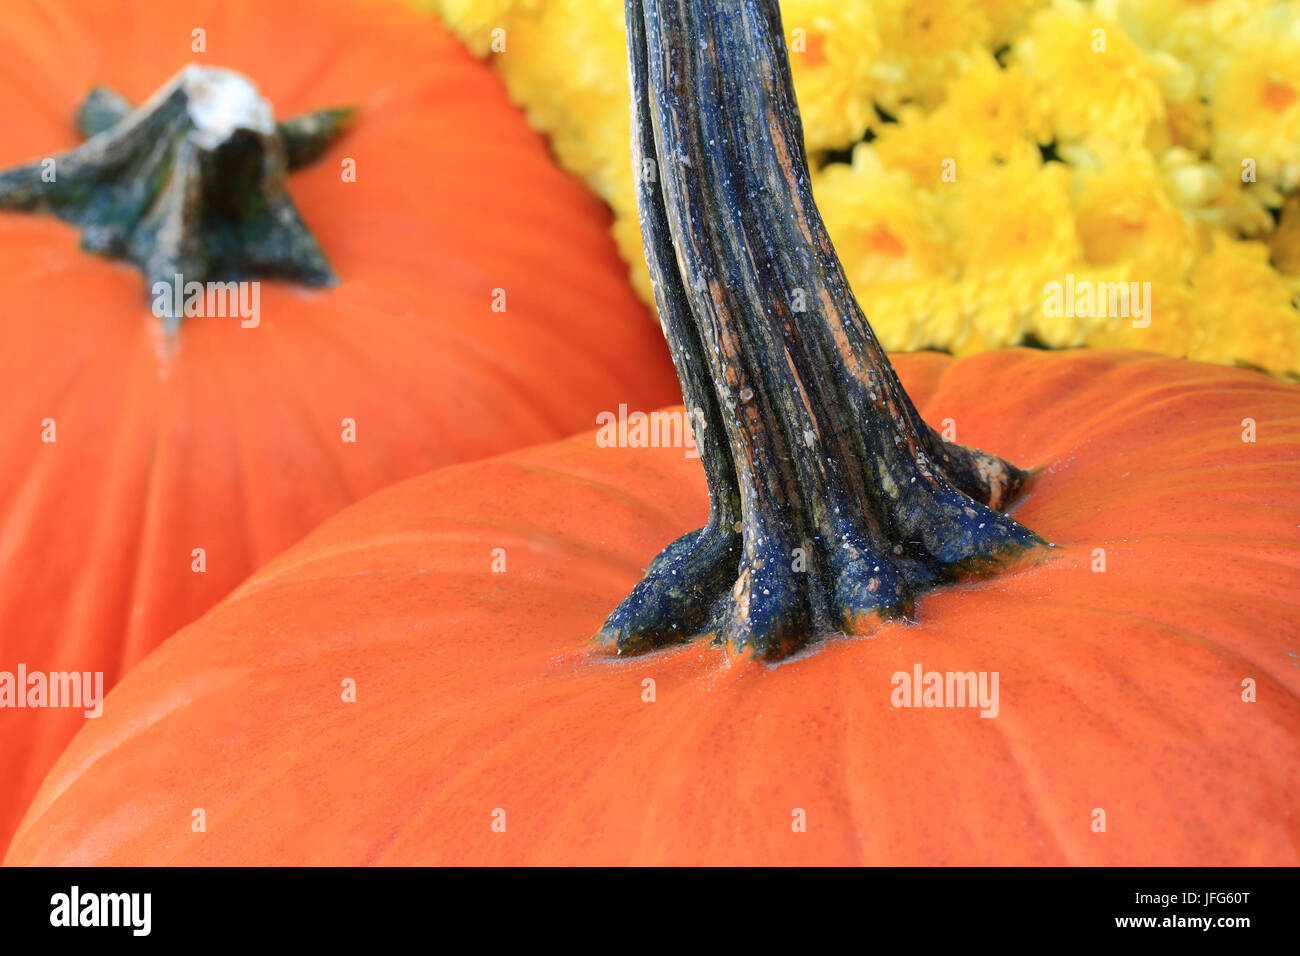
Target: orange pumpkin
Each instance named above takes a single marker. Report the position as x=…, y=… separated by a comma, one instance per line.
x=128, y=448
x=476, y=691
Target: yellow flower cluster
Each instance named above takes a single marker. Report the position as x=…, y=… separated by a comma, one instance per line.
x=993, y=171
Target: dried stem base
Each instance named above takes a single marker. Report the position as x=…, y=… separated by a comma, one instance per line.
x=833, y=505
x=192, y=183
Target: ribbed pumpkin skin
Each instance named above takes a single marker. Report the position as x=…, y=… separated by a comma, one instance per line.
x=229, y=439
x=476, y=691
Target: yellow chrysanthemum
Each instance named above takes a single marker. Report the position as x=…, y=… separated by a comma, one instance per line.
x=1248, y=311
x=991, y=106
x=1013, y=217
x=921, y=146
x=1192, y=183
x=883, y=227
x=1255, y=98
x=1239, y=209
x=1175, y=121
x=832, y=47
x=1007, y=18
x=924, y=44
x=1005, y=312
x=1125, y=210
x=475, y=20
x=1091, y=79
x=918, y=314
x=1013, y=229
x=1170, y=327
x=889, y=236
x=1284, y=244
x=988, y=116
x=1188, y=125
x=1191, y=30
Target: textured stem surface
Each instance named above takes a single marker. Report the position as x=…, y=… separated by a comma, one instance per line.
x=193, y=183
x=832, y=503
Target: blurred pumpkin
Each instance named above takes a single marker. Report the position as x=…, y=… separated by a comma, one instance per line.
x=148, y=469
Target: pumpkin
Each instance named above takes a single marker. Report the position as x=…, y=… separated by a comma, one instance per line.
x=147, y=469
x=477, y=690
x=414, y=682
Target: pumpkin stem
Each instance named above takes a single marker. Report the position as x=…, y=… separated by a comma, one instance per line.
x=832, y=503
x=190, y=184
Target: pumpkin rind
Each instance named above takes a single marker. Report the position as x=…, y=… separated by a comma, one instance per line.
x=229, y=439
x=476, y=691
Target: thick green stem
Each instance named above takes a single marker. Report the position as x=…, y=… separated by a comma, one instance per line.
x=832, y=503
x=193, y=183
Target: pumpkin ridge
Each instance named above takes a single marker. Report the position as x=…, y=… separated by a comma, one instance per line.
x=139, y=579
x=588, y=482
x=292, y=383
x=1162, y=625
x=698, y=727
